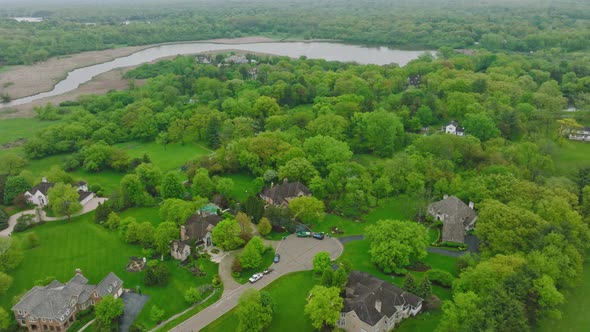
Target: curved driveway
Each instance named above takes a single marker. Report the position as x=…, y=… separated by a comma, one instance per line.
x=296, y=255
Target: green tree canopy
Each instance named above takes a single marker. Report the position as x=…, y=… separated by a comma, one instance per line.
x=324, y=305
x=63, y=200
x=254, y=311
x=226, y=235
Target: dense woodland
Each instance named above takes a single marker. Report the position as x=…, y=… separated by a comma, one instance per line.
x=522, y=26
x=354, y=134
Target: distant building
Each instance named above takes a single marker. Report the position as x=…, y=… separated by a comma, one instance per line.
x=236, y=59
x=580, y=135
x=54, y=307
x=281, y=194
x=375, y=305
x=414, y=80
x=454, y=129
x=458, y=218
x=38, y=194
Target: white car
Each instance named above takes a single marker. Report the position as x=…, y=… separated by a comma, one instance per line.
x=255, y=277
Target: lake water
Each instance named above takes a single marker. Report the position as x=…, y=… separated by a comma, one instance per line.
x=29, y=19
x=312, y=50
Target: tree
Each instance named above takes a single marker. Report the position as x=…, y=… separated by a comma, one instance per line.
x=113, y=221
x=102, y=212
x=56, y=174
x=32, y=240
x=425, y=288
x=132, y=191
x=264, y=226
x=14, y=186
x=6, y=322
x=254, y=311
x=297, y=169
x=156, y=314
x=321, y=262
x=379, y=131
x=63, y=200
x=327, y=277
x=202, y=184
x=481, y=126
x=12, y=164
x=245, y=226
x=308, y=209
x=107, y=310
x=323, y=151
x=193, y=295
x=171, y=187
x=340, y=278
x=464, y=313
x=395, y=244
x=254, y=207
x=410, y=284
x=226, y=235
x=5, y=282
x=156, y=274
x=225, y=187
x=177, y=210
x=252, y=255
x=165, y=232
x=265, y=107
x=11, y=255
x=151, y=177
x=324, y=305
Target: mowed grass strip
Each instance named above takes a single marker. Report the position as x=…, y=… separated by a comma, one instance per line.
x=79, y=243
x=289, y=294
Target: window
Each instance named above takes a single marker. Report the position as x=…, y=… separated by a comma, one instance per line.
x=342, y=320
x=42, y=319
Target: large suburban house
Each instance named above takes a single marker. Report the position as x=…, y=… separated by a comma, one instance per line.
x=454, y=129
x=197, y=229
x=457, y=217
x=54, y=307
x=38, y=194
x=375, y=305
x=580, y=135
x=281, y=194
x=180, y=250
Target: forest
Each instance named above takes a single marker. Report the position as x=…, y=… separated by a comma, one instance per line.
x=67, y=29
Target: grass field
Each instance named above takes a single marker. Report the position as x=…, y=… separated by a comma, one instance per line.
x=13, y=129
x=575, y=311
x=65, y=246
x=571, y=156
x=167, y=159
x=289, y=296
x=243, y=186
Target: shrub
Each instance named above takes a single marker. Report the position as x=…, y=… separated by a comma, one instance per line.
x=460, y=246
x=216, y=281
x=156, y=275
x=193, y=295
x=21, y=201
x=3, y=220
x=32, y=240
x=24, y=222
x=236, y=265
x=236, y=274
x=45, y=281
x=440, y=277
x=204, y=289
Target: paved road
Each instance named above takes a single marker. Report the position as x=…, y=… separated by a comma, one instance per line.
x=296, y=255
x=90, y=206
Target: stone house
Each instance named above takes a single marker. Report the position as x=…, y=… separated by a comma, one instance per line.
x=375, y=305
x=38, y=194
x=457, y=217
x=454, y=129
x=54, y=307
x=198, y=228
x=281, y=194
x=180, y=250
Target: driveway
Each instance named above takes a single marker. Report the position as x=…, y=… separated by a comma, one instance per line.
x=296, y=255
x=133, y=305
x=90, y=206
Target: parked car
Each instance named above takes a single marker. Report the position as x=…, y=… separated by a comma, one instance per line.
x=277, y=258
x=303, y=234
x=268, y=271
x=319, y=236
x=254, y=278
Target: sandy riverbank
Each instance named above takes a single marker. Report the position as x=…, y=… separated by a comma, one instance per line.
x=22, y=81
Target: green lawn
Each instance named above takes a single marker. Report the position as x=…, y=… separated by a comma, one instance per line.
x=13, y=129
x=243, y=186
x=267, y=260
x=571, y=156
x=167, y=159
x=289, y=296
x=575, y=316
x=142, y=214
x=65, y=246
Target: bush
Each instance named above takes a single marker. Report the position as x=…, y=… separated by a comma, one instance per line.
x=440, y=277
x=236, y=274
x=216, y=281
x=21, y=201
x=24, y=222
x=156, y=275
x=460, y=246
x=31, y=241
x=3, y=220
x=236, y=265
x=204, y=289
x=69, y=103
x=45, y=281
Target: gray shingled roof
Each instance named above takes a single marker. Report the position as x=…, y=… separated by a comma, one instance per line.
x=458, y=215
x=281, y=192
x=43, y=187
x=108, y=285
x=363, y=290
x=199, y=224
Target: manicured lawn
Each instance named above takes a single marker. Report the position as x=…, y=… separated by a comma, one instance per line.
x=267, y=260
x=65, y=246
x=571, y=156
x=289, y=296
x=13, y=129
x=142, y=214
x=243, y=186
x=347, y=226
x=575, y=316
x=167, y=159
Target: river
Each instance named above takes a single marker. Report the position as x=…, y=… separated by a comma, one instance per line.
x=312, y=50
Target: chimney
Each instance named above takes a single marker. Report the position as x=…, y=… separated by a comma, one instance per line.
x=471, y=205
x=79, y=272
x=378, y=306
x=445, y=196
x=285, y=180
x=183, y=236
x=44, y=180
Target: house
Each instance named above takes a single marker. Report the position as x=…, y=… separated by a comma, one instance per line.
x=180, y=250
x=236, y=59
x=453, y=128
x=204, y=59
x=198, y=228
x=580, y=135
x=54, y=307
x=38, y=194
x=375, y=305
x=281, y=194
x=414, y=80
x=458, y=218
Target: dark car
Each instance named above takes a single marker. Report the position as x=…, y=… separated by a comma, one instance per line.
x=277, y=258
x=319, y=236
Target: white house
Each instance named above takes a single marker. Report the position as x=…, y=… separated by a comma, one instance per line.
x=38, y=194
x=454, y=129
x=581, y=135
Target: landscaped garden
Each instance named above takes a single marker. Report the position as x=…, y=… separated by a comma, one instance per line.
x=80, y=243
